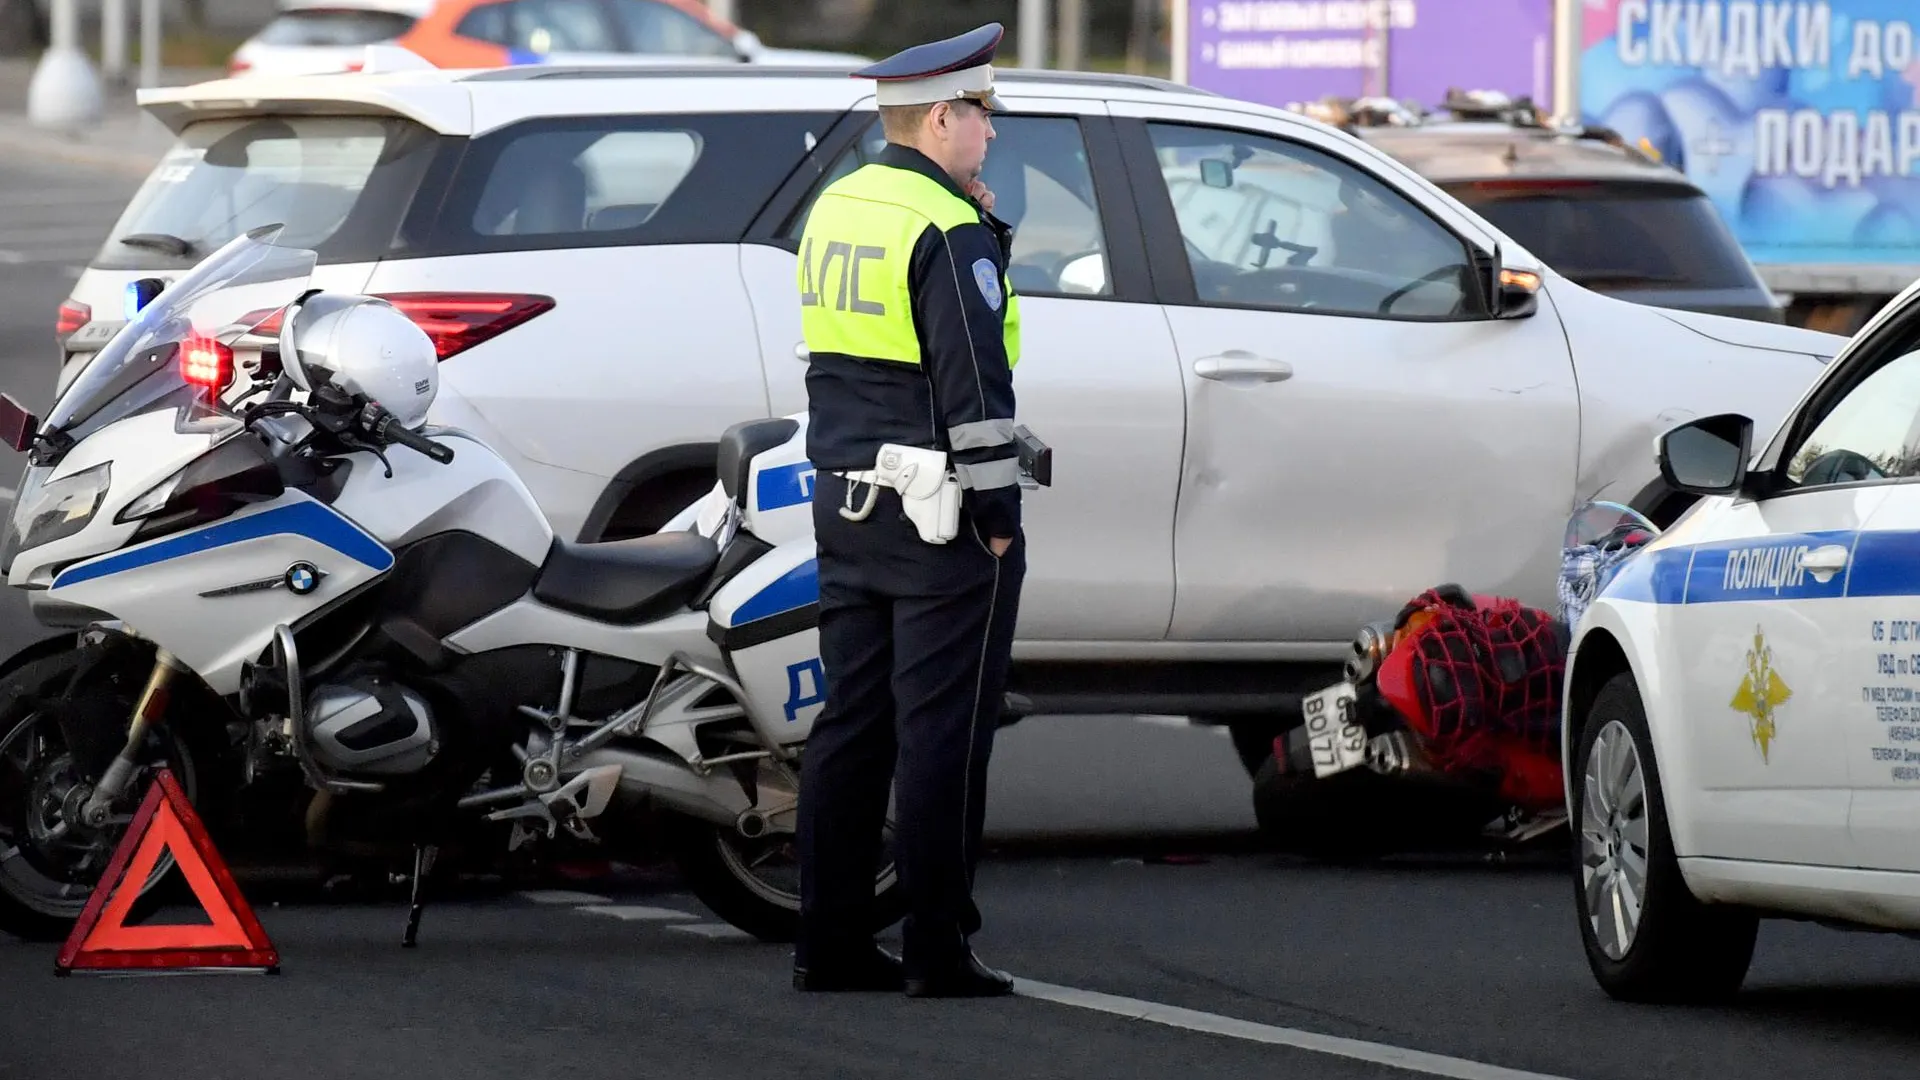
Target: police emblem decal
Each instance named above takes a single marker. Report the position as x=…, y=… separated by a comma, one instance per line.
x=1761, y=693
x=987, y=277
x=302, y=578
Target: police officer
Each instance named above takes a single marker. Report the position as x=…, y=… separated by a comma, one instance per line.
x=913, y=334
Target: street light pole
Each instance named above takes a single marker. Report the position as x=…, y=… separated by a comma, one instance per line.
x=65, y=92
x=1033, y=33
x=1569, y=34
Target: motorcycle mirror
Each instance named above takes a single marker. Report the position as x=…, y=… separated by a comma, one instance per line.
x=17, y=425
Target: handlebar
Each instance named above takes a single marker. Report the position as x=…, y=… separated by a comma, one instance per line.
x=380, y=424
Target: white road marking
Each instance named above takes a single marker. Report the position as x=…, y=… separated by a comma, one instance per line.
x=713, y=930
x=12, y=258
x=7, y=494
x=561, y=896
x=1376, y=1053
x=637, y=912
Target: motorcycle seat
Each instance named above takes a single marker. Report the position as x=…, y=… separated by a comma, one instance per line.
x=626, y=581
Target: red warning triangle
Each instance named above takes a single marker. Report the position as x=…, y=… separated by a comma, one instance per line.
x=102, y=940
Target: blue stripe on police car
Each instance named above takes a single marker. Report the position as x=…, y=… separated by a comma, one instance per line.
x=1876, y=563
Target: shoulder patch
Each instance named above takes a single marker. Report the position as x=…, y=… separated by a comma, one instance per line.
x=987, y=276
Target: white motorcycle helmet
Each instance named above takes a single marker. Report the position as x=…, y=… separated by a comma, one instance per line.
x=362, y=345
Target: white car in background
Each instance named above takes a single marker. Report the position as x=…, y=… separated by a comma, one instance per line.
x=318, y=37
x=1290, y=383
x=1743, y=706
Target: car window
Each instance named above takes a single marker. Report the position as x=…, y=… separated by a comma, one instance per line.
x=544, y=26
x=487, y=22
x=669, y=178
x=1872, y=433
x=339, y=184
x=565, y=182
x=1642, y=236
x=1275, y=224
x=1042, y=186
x=652, y=27
x=331, y=26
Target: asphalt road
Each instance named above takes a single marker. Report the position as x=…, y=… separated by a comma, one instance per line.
x=631, y=977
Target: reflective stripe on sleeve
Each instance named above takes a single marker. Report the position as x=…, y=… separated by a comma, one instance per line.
x=980, y=433
x=989, y=474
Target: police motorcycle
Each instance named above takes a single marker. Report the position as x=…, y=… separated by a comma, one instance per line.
x=1444, y=731
x=286, y=584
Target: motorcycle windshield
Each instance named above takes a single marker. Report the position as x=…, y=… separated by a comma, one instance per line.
x=161, y=357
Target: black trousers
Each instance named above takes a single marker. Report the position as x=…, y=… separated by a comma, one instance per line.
x=915, y=640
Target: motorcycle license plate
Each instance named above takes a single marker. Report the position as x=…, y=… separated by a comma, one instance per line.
x=1337, y=741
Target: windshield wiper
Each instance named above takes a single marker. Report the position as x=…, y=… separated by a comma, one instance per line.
x=166, y=242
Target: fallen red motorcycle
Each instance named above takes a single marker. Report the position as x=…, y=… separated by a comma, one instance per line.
x=1445, y=731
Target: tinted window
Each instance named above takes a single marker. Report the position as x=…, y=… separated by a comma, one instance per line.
x=339, y=184
x=488, y=22
x=544, y=26
x=1042, y=186
x=622, y=180
x=564, y=182
x=1274, y=224
x=659, y=28
x=323, y=26
x=1872, y=433
x=1651, y=236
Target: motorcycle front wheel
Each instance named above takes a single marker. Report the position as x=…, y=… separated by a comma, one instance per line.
x=754, y=883
x=50, y=860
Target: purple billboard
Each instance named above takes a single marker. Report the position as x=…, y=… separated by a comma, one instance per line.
x=1278, y=51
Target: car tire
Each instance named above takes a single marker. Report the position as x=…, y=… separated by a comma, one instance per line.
x=1669, y=947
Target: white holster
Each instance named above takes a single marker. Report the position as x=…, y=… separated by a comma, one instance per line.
x=929, y=491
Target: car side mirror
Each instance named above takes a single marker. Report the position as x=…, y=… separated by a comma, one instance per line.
x=1511, y=294
x=1707, y=456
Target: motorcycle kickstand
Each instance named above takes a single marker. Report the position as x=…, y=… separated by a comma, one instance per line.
x=423, y=856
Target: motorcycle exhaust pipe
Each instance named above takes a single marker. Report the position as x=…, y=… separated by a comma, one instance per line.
x=715, y=798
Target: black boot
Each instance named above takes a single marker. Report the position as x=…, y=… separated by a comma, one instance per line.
x=870, y=969
x=966, y=978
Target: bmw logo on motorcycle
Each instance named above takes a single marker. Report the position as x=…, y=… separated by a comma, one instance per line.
x=303, y=578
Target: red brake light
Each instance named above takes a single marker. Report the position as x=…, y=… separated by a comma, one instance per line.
x=73, y=316
x=459, y=321
x=206, y=362
x=264, y=323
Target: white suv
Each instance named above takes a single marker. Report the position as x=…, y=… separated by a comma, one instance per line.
x=1289, y=382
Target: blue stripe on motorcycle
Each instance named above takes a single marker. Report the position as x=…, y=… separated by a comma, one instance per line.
x=787, y=485
x=790, y=591
x=312, y=520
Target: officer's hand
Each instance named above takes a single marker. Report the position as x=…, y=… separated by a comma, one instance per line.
x=999, y=545
x=980, y=193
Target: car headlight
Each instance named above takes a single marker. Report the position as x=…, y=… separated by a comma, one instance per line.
x=57, y=509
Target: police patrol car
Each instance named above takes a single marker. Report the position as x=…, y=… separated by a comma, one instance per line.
x=1290, y=381
x=1743, y=702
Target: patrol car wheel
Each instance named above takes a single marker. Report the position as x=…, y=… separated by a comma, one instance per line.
x=754, y=883
x=1647, y=938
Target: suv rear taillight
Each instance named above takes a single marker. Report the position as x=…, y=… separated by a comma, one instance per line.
x=73, y=316
x=459, y=321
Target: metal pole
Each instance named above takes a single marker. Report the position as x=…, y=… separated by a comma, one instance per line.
x=1033, y=33
x=1177, y=16
x=149, y=42
x=1568, y=37
x=1073, y=20
x=113, y=39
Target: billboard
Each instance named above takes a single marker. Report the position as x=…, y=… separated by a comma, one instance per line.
x=1799, y=118
x=1278, y=51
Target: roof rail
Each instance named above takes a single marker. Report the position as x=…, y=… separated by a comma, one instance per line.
x=641, y=69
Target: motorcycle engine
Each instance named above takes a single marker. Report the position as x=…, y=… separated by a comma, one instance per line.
x=370, y=724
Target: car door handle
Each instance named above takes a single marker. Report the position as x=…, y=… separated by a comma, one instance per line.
x=1241, y=364
x=1826, y=559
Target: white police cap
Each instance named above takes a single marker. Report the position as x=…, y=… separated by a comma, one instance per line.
x=946, y=70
